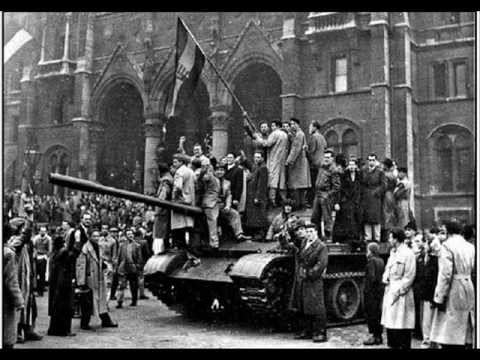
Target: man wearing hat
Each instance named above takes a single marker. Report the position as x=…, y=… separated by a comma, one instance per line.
x=298, y=168
x=307, y=298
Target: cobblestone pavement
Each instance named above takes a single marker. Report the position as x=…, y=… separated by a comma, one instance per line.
x=152, y=325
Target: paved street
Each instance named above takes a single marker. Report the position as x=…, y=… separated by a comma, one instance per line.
x=152, y=325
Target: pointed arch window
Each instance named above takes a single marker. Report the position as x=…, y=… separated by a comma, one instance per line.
x=453, y=159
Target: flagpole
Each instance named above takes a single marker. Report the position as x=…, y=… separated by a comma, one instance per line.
x=249, y=120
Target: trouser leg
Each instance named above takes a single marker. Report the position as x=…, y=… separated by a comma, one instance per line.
x=232, y=217
x=272, y=195
x=114, y=287
x=367, y=232
x=316, y=217
x=122, y=284
x=141, y=284
x=327, y=216
x=84, y=321
x=133, y=280
x=427, y=320
x=212, y=217
x=378, y=231
x=283, y=195
x=41, y=269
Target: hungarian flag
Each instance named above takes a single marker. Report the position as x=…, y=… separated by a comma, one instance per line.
x=189, y=61
x=16, y=43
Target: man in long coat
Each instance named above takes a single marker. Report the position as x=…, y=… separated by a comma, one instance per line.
x=398, y=310
x=89, y=275
x=184, y=193
x=256, y=207
x=316, y=148
x=12, y=297
x=61, y=293
x=130, y=264
x=454, y=316
x=307, y=296
x=277, y=145
x=348, y=220
x=298, y=168
x=373, y=181
x=25, y=255
x=161, y=224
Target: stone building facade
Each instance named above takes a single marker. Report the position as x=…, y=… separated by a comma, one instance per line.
x=91, y=91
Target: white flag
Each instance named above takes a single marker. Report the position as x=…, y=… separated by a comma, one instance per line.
x=15, y=44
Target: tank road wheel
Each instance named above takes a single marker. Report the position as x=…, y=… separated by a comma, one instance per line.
x=344, y=298
x=278, y=284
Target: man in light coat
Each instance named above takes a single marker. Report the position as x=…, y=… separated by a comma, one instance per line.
x=89, y=275
x=398, y=310
x=454, y=299
x=12, y=297
x=277, y=145
x=298, y=168
x=184, y=193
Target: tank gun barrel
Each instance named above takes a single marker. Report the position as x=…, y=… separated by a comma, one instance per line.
x=90, y=186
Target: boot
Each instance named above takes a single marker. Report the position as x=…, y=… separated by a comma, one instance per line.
x=107, y=321
x=303, y=335
x=372, y=340
x=31, y=335
x=322, y=337
x=84, y=323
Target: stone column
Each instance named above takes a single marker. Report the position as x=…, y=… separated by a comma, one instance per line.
x=153, y=135
x=290, y=47
x=66, y=44
x=83, y=78
x=379, y=127
x=220, y=117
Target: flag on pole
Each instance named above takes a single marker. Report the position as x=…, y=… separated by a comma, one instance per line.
x=189, y=61
x=16, y=43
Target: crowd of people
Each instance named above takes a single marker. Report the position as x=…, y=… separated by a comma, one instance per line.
x=87, y=244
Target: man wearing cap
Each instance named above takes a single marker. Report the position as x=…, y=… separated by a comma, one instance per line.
x=298, y=168
x=307, y=297
x=316, y=148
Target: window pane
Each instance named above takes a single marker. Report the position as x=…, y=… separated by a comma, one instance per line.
x=341, y=74
x=444, y=164
x=439, y=78
x=465, y=161
x=332, y=139
x=460, y=79
x=341, y=66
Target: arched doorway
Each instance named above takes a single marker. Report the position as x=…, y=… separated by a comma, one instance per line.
x=192, y=120
x=121, y=152
x=258, y=88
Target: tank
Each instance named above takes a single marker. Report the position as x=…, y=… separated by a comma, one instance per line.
x=251, y=279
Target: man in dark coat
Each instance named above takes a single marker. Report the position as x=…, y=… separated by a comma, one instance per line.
x=327, y=186
x=130, y=263
x=373, y=181
x=348, y=220
x=235, y=175
x=307, y=298
x=61, y=293
x=257, y=193
x=373, y=294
